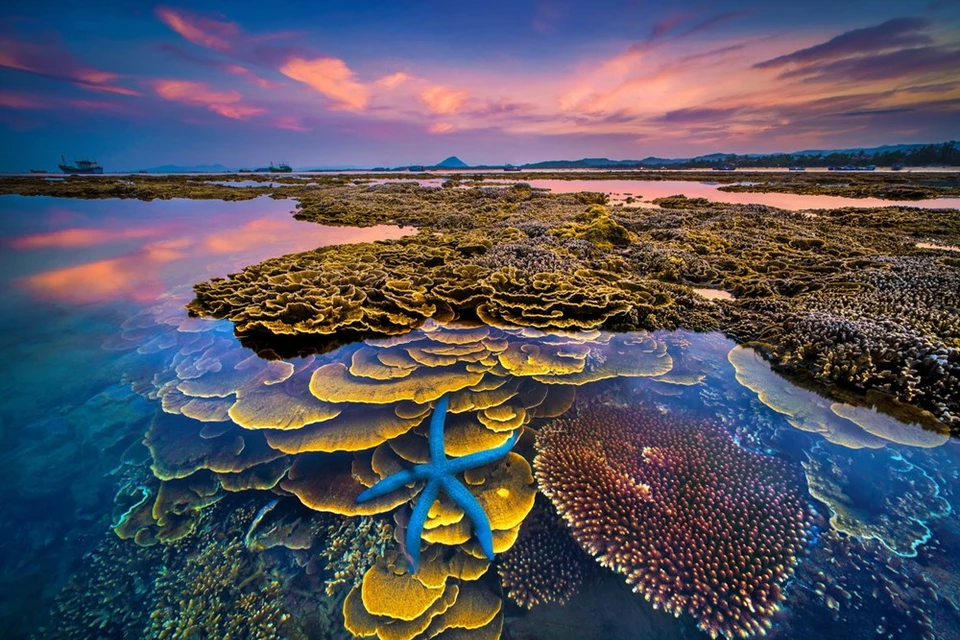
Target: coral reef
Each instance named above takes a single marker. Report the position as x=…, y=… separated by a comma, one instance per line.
x=111, y=597
x=392, y=603
x=440, y=472
x=353, y=546
x=852, y=427
x=846, y=581
x=909, y=498
x=847, y=295
x=696, y=523
x=546, y=564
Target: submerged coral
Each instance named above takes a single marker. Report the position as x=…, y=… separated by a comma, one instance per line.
x=546, y=564
x=897, y=513
x=441, y=473
x=696, y=523
x=353, y=546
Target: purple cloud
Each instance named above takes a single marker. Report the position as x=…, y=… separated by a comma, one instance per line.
x=882, y=66
x=892, y=34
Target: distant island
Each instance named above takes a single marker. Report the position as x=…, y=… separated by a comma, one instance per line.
x=905, y=155
x=897, y=156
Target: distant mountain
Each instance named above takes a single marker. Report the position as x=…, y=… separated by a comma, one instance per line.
x=200, y=168
x=911, y=154
x=453, y=162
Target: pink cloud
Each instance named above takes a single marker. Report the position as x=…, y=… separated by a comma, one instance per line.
x=440, y=128
x=291, y=123
x=82, y=237
x=193, y=92
x=51, y=61
x=12, y=100
x=443, y=100
x=330, y=77
x=393, y=80
x=206, y=32
x=225, y=103
x=239, y=70
x=236, y=111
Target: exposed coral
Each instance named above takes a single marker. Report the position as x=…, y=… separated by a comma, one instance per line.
x=696, y=523
x=842, y=424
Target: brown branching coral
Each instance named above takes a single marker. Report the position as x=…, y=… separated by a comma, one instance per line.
x=546, y=564
x=352, y=547
x=221, y=591
x=697, y=524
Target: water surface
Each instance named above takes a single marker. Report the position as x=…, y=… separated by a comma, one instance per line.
x=649, y=190
x=100, y=353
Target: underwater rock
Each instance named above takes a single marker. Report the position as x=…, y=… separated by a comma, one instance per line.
x=696, y=523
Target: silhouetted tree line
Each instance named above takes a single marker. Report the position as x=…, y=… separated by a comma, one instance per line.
x=946, y=153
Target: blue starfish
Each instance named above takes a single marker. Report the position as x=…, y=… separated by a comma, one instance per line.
x=441, y=472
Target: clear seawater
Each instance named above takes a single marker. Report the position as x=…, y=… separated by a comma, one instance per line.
x=99, y=351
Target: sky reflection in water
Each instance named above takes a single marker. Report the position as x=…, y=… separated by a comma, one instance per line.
x=98, y=250
x=648, y=190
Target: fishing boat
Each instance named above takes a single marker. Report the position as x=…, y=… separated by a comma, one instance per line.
x=79, y=166
x=510, y=167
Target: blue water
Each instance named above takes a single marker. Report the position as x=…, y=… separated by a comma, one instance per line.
x=100, y=351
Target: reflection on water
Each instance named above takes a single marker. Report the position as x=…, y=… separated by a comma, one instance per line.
x=679, y=462
x=648, y=190
x=138, y=250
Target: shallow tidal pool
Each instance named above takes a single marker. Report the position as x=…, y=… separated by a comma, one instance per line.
x=161, y=479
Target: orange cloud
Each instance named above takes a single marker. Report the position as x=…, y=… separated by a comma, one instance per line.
x=95, y=281
x=61, y=65
x=205, y=32
x=331, y=77
x=443, y=100
x=393, y=80
x=193, y=92
x=80, y=237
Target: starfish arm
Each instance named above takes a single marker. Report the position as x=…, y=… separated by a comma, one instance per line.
x=437, y=449
x=387, y=485
x=481, y=524
x=480, y=458
x=417, y=520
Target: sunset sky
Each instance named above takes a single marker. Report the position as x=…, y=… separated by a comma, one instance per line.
x=136, y=84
